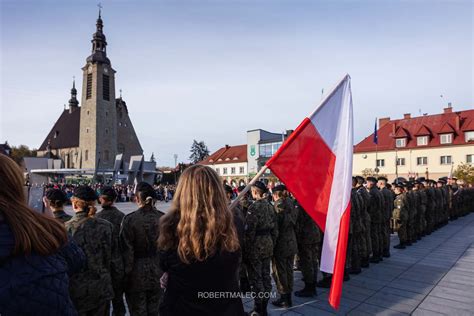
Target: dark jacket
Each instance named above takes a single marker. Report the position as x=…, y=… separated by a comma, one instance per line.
x=190, y=284
x=36, y=285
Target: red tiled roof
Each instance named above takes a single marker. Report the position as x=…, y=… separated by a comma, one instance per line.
x=427, y=125
x=227, y=154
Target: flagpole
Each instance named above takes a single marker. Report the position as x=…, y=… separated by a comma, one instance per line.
x=396, y=163
x=247, y=188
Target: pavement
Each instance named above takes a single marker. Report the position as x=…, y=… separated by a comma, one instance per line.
x=435, y=276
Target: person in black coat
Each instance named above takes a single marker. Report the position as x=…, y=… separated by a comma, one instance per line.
x=36, y=256
x=199, y=249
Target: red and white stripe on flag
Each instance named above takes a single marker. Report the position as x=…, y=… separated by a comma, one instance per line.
x=315, y=163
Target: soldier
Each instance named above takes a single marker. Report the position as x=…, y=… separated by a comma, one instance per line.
x=430, y=206
x=55, y=200
x=387, y=214
x=138, y=236
x=110, y=213
x=308, y=237
x=355, y=231
x=285, y=248
x=412, y=209
x=91, y=289
x=400, y=216
x=365, y=244
x=375, y=212
x=244, y=201
x=261, y=232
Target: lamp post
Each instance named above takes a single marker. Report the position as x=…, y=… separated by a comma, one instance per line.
x=175, y=156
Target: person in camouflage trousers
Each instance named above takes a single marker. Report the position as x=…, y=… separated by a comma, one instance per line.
x=285, y=248
x=355, y=231
x=365, y=243
x=375, y=210
x=308, y=237
x=261, y=233
x=399, y=219
x=138, y=236
x=91, y=289
x=111, y=214
x=387, y=214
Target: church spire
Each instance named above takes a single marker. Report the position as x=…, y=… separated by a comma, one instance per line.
x=73, y=103
x=99, y=43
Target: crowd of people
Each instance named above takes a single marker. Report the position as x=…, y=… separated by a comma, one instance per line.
x=201, y=256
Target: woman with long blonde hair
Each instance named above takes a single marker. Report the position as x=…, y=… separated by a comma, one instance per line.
x=35, y=253
x=199, y=248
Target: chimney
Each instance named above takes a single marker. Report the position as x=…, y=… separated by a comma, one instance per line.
x=407, y=116
x=227, y=146
x=457, y=123
x=394, y=129
x=383, y=121
x=449, y=109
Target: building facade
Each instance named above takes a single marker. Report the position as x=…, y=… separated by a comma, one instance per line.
x=91, y=135
x=230, y=162
x=430, y=145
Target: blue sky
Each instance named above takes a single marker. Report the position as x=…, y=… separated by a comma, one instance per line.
x=211, y=70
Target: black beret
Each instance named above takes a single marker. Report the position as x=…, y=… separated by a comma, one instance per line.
x=85, y=193
x=228, y=189
x=279, y=188
x=109, y=192
x=241, y=188
x=56, y=195
x=371, y=179
x=146, y=189
x=398, y=185
x=421, y=179
x=382, y=179
x=260, y=185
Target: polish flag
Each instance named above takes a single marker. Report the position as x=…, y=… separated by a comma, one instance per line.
x=315, y=163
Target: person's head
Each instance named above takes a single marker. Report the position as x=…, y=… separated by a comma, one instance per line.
x=258, y=190
x=382, y=182
x=107, y=196
x=33, y=232
x=199, y=223
x=354, y=182
x=228, y=191
x=278, y=192
x=398, y=189
x=57, y=198
x=440, y=184
x=145, y=195
x=360, y=181
x=84, y=199
x=371, y=181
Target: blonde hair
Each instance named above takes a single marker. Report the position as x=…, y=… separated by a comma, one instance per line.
x=88, y=206
x=199, y=223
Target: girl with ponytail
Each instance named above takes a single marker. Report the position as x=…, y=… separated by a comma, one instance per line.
x=91, y=290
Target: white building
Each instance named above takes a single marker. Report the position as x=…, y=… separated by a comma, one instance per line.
x=429, y=145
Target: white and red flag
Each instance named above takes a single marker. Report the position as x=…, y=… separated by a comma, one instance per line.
x=315, y=163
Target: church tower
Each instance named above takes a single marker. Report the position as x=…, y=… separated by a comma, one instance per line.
x=98, y=125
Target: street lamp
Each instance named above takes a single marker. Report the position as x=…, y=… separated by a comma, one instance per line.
x=175, y=156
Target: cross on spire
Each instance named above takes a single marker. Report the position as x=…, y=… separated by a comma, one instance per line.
x=99, y=5
x=120, y=93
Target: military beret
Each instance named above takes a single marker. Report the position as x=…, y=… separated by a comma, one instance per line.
x=279, y=188
x=146, y=189
x=382, y=179
x=56, y=195
x=109, y=192
x=228, y=189
x=85, y=193
x=260, y=185
x=371, y=179
x=241, y=188
x=421, y=179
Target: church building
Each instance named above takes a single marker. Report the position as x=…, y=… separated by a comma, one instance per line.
x=89, y=136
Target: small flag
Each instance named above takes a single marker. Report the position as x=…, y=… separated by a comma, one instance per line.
x=376, y=136
x=319, y=152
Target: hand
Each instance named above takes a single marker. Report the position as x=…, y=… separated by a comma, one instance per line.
x=164, y=280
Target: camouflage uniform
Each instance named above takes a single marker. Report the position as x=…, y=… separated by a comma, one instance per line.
x=308, y=237
x=439, y=207
x=375, y=212
x=430, y=209
x=114, y=216
x=62, y=216
x=286, y=247
x=138, y=236
x=387, y=214
x=400, y=218
x=355, y=233
x=365, y=245
x=241, y=212
x=91, y=289
x=261, y=232
x=422, y=212
x=412, y=209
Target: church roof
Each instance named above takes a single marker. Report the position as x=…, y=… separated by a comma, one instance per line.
x=65, y=132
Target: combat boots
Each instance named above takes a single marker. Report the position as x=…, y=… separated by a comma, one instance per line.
x=325, y=283
x=399, y=246
x=284, y=301
x=309, y=290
